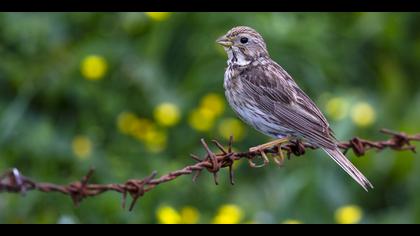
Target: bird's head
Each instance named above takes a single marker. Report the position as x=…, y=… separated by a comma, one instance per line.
x=243, y=45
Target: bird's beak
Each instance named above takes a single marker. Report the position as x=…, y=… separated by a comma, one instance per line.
x=224, y=41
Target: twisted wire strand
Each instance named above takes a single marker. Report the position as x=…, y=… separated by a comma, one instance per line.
x=13, y=181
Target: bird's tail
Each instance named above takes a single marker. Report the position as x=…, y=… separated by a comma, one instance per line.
x=342, y=161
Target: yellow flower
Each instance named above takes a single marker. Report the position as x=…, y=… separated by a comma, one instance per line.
x=350, y=214
x=292, y=222
x=125, y=121
x=94, y=67
x=201, y=119
x=189, y=215
x=337, y=108
x=231, y=126
x=213, y=102
x=156, y=140
x=82, y=147
x=143, y=130
x=168, y=215
x=167, y=114
x=363, y=114
x=158, y=16
x=228, y=214
x=140, y=128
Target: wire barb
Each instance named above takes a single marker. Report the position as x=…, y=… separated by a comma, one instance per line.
x=13, y=181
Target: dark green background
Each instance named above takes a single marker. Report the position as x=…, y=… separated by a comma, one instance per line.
x=45, y=102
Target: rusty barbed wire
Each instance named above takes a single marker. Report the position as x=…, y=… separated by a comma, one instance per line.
x=13, y=181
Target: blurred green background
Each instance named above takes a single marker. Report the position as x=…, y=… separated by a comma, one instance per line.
x=129, y=93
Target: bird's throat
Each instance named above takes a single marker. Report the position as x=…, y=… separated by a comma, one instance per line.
x=236, y=57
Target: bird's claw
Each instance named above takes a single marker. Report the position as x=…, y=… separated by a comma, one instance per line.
x=279, y=160
x=263, y=155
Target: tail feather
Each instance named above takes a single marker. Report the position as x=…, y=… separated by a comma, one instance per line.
x=344, y=163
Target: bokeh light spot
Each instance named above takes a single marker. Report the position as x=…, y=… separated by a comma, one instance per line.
x=158, y=16
x=201, y=119
x=229, y=214
x=214, y=102
x=82, y=147
x=156, y=140
x=363, y=114
x=125, y=121
x=94, y=67
x=190, y=215
x=231, y=126
x=292, y=222
x=350, y=214
x=167, y=114
x=337, y=108
x=168, y=215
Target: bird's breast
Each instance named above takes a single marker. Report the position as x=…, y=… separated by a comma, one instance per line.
x=246, y=107
x=228, y=80
x=233, y=89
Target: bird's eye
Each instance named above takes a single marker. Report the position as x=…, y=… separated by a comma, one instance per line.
x=244, y=40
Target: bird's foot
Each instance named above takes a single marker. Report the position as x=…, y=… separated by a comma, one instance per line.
x=264, y=156
x=260, y=149
x=279, y=160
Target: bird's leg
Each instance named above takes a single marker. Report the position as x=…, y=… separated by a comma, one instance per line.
x=262, y=147
x=269, y=144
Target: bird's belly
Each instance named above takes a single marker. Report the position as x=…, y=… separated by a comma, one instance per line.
x=247, y=111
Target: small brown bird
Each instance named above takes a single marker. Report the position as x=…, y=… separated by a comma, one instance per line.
x=266, y=97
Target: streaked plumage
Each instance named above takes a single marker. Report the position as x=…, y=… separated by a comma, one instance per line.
x=266, y=97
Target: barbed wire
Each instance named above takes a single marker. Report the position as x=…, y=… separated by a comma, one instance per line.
x=13, y=181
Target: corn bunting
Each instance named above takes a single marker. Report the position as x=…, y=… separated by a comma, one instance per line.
x=266, y=97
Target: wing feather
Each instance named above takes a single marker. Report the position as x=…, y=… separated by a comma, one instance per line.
x=277, y=94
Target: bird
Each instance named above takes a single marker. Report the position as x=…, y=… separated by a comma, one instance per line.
x=266, y=97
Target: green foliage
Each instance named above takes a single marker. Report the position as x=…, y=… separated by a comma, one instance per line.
x=83, y=89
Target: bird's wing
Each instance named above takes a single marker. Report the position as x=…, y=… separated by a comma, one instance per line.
x=275, y=92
